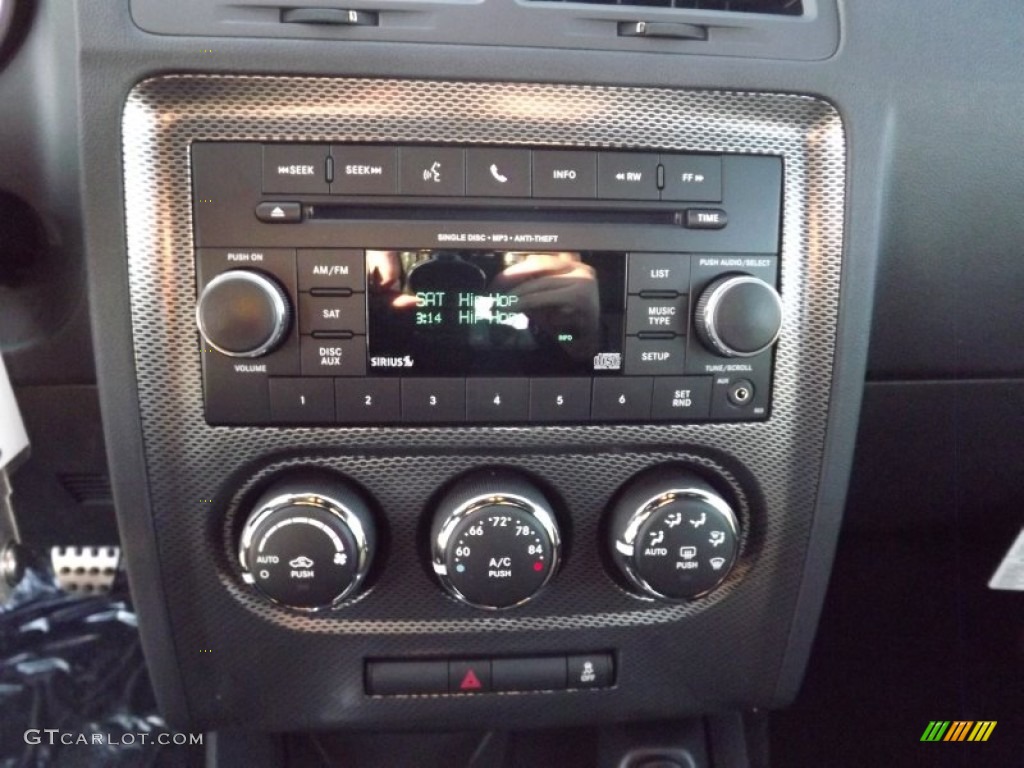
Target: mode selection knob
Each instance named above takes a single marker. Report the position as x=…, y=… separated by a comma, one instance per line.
x=738, y=316
x=308, y=543
x=243, y=313
x=495, y=540
x=673, y=536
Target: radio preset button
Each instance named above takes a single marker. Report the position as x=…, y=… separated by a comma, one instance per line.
x=622, y=398
x=560, y=400
x=368, y=401
x=683, y=398
x=332, y=313
x=295, y=169
x=656, y=315
x=659, y=272
x=493, y=400
x=434, y=400
x=655, y=357
x=301, y=401
x=559, y=174
x=333, y=357
x=498, y=172
x=627, y=176
x=435, y=171
x=364, y=170
x=331, y=268
x=696, y=178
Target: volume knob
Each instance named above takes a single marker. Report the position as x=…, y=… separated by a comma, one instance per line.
x=243, y=313
x=739, y=316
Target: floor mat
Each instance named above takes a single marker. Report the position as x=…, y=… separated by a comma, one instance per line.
x=73, y=684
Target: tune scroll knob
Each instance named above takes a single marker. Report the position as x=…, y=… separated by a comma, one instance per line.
x=495, y=541
x=738, y=315
x=243, y=313
x=308, y=543
x=673, y=536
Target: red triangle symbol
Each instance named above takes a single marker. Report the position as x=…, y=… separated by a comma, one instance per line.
x=470, y=682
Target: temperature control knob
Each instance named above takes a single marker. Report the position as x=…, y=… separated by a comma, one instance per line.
x=243, y=313
x=495, y=540
x=308, y=543
x=673, y=536
x=738, y=316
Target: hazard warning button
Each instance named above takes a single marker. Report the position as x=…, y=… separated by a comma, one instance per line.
x=473, y=676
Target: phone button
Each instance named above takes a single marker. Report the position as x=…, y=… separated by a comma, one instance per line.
x=498, y=173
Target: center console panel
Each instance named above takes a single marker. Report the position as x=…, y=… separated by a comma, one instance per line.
x=480, y=402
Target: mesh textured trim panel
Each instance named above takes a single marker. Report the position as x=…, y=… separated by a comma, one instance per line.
x=774, y=465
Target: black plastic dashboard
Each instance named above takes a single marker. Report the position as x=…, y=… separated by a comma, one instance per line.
x=867, y=154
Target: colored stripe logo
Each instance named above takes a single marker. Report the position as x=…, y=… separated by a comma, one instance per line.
x=958, y=730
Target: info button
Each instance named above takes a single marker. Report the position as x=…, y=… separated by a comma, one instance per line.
x=564, y=174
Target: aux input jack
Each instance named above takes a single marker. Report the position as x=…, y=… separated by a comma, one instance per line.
x=741, y=393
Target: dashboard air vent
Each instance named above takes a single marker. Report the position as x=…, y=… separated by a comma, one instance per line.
x=773, y=7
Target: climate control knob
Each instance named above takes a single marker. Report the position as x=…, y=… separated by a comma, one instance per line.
x=738, y=316
x=673, y=536
x=308, y=543
x=494, y=540
x=243, y=313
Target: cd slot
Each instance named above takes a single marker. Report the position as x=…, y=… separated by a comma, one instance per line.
x=568, y=215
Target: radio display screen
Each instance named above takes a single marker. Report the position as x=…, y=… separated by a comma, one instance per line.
x=435, y=312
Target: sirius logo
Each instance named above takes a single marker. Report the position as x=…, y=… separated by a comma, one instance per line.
x=392, y=362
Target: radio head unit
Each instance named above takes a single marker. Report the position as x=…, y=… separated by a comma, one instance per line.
x=371, y=302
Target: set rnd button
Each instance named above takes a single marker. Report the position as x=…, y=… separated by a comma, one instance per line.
x=681, y=398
